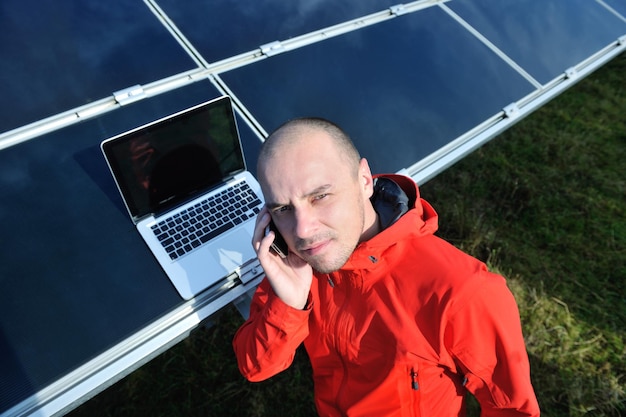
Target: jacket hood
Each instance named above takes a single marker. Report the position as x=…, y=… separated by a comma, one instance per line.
x=398, y=223
x=423, y=216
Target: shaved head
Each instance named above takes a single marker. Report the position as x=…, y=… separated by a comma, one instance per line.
x=297, y=130
x=317, y=190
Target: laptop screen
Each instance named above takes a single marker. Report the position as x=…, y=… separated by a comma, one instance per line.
x=164, y=163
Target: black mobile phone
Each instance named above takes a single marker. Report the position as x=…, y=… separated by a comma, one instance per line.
x=279, y=246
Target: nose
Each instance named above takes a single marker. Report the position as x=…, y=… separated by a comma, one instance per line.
x=305, y=223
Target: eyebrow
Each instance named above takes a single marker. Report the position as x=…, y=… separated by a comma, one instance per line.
x=319, y=190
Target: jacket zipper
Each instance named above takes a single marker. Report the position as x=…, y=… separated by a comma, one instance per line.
x=341, y=350
x=414, y=384
x=415, y=402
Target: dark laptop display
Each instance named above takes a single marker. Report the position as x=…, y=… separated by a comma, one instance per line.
x=160, y=165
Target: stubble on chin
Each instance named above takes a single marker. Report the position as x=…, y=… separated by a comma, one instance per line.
x=330, y=262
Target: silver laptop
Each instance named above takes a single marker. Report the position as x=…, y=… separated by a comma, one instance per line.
x=184, y=181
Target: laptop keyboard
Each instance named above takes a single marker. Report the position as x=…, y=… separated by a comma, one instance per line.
x=196, y=225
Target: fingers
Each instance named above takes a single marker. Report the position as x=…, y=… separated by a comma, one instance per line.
x=259, y=240
x=289, y=277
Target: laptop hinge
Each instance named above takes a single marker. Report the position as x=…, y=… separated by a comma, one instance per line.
x=129, y=95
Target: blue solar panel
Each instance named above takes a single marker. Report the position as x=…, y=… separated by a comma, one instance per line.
x=70, y=53
x=544, y=37
x=79, y=278
x=420, y=78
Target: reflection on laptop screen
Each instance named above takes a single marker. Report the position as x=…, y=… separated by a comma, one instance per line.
x=161, y=164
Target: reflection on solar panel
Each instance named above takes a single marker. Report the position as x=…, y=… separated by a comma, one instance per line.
x=432, y=74
x=431, y=80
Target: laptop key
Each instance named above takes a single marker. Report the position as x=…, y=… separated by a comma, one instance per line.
x=216, y=232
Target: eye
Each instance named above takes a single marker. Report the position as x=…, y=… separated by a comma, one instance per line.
x=320, y=196
x=280, y=210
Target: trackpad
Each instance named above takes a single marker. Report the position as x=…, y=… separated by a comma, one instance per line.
x=233, y=250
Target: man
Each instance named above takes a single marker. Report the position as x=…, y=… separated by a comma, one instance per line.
x=396, y=322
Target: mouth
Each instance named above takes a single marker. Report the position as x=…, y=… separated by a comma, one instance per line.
x=315, y=248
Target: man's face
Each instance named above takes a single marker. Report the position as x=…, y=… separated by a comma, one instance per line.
x=317, y=200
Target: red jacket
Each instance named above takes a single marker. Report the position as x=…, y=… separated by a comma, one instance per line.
x=406, y=326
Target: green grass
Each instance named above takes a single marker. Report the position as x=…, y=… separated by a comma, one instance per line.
x=544, y=204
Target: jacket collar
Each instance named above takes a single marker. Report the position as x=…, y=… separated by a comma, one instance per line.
x=403, y=214
x=389, y=200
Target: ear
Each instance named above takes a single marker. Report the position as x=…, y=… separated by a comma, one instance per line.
x=365, y=178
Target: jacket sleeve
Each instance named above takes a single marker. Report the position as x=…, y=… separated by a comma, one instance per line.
x=485, y=337
x=266, y=343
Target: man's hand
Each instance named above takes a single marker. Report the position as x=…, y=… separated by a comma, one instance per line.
x=290, y=277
